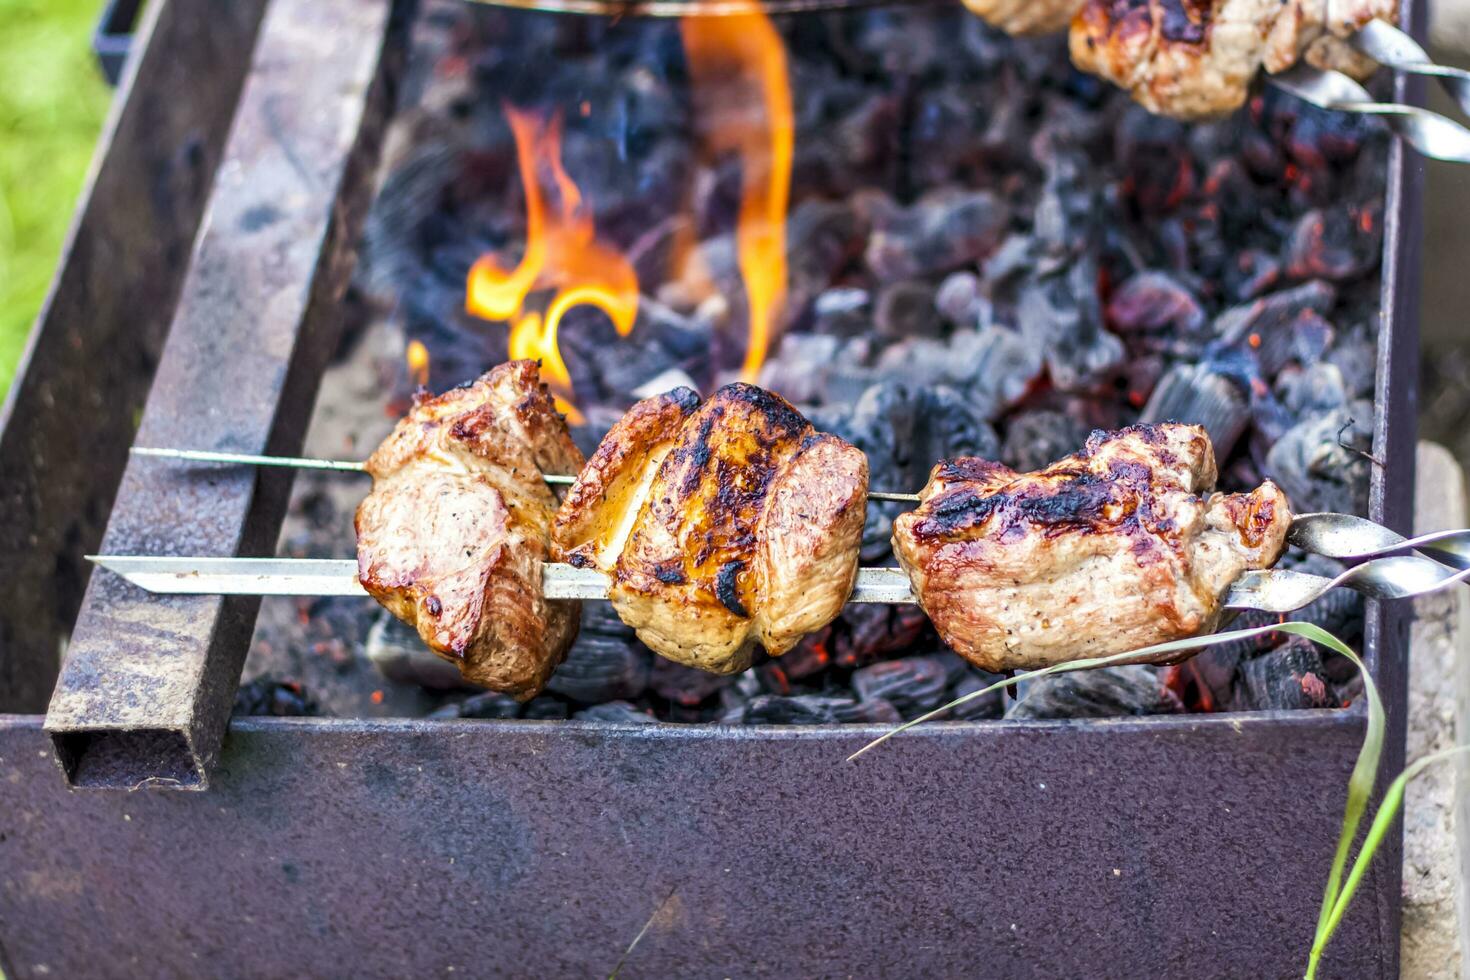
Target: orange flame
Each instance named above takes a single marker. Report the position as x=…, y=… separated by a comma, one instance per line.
x=738, y=66
x=418, y=363
x=562, y=251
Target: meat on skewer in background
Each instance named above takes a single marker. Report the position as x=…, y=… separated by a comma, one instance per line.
x=1193, y=59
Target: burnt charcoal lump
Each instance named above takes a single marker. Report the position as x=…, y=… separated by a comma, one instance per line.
x=913, y=685
x=814, y=709
x=1322, y=461
x=990, y=705
x=1198, y=394
x=607, y=663
x=939, y=233
x=1107, y=692
x=904, y=430
x=1289, y=677
x=279, y=698
x=395, y=649
x=1061, y=315
x=490, y=705
x=617, y=713
x=1035, y=439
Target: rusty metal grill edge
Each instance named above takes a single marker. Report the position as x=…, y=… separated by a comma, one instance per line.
x=1160, y=846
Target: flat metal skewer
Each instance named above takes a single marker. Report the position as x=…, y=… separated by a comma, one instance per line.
x=1274, y=590
x=348, y=466
x=338, y=577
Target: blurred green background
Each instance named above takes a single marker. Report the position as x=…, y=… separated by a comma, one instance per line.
x=52, y=101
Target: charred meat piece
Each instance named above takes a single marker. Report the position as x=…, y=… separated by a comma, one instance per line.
x=1105, y=551
x=1197, y=58
x=452, y=538
x=721, y=525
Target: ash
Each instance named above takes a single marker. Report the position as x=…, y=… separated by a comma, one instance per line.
x=988, y=254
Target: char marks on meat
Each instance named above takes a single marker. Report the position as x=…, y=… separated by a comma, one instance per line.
x=1105, y=551
x=454, y=533
x=722, y=525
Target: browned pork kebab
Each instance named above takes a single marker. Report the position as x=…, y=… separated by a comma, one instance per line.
x=1196, y=58
x=733, y=524
x=1115, y=548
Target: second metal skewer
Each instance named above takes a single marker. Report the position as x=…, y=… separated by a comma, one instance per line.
x=349, y=466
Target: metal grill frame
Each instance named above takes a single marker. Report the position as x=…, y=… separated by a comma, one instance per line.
x=1192, y=845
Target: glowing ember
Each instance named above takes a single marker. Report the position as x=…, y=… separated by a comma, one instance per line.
x=418, y=363
x=562, y=252
x=743, y=96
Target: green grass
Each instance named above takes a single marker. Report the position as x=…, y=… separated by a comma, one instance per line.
x=52, y=101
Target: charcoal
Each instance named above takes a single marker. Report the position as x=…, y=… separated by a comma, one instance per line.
x=938, y=233
x=489, y=705
x=1152, y=301
x=1035, y=439
x=607, y=663
x=1316, y=389
x=812, y=709
x=1157, y=165
x=870, y=632
x=396, y=650
x=1314, y=464
x=661, y=341
x=913, y=685
x=1288, y=677
x=1060, y=316
x=996, y=366
x=275, y=697
x=616, y=713
x=1354, y=353
x=904, y=430
x=682, y=685
x=545, y=708
x=1106, y=692
x=962, y=302
x=808, y=658
x=822, y=237
x=1337, y=243
x=990, y=705
x=1198, y=394
x=842, y=312
x=906, y=309
x=1252, y=273
x=1274, y=314
x=799, y=374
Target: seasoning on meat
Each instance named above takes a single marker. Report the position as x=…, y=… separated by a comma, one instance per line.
x=453, y=536
x=1105, y=551
x=721, y=526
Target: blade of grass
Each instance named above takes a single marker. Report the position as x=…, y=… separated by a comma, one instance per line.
x=1393, y=801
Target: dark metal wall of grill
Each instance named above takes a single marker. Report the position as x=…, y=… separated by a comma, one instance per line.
x=1164, y=846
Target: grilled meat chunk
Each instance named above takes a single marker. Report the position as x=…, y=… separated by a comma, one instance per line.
x=1105, y=551
x=1197, y=58
x=721, y=526
x=452, y=538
